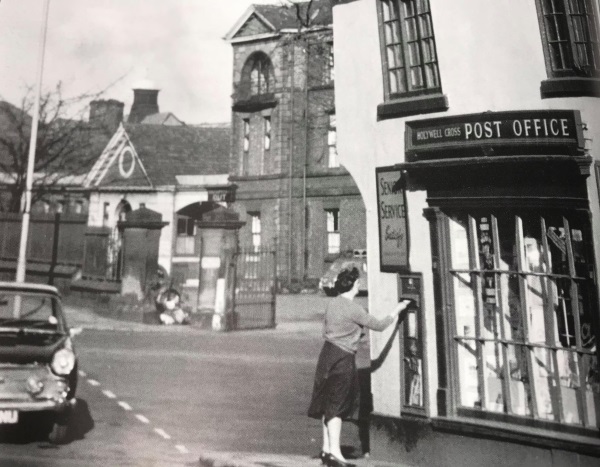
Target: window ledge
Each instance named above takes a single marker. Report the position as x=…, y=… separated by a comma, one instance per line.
x=412, y=106
x=570, y=87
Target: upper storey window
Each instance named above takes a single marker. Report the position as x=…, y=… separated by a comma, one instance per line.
x=409, y=57
x=258, y=74
x=570, y=37
x=255, y=89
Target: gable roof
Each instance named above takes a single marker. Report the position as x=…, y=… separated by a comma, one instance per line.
x=284, y=16
x=164, y=152
x=275, y=19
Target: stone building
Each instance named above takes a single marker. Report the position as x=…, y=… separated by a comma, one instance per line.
x=292, y=190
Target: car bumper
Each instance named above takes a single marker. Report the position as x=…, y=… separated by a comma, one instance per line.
x=32, y=388
x=38, y=406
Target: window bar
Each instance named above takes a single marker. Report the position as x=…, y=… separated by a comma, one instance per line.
x=575, y=310
x=524, y=311
x=505, y=367
x=476, y=277
x=550, y=325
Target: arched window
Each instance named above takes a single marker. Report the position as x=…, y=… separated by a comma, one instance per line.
x=257, y=76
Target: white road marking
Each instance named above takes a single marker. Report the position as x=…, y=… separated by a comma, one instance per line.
x=141, y=418
x=109, y=394
x=182, y=449
x=125, y=405
x=93, y=382
x=162, y=433
x=83, y=374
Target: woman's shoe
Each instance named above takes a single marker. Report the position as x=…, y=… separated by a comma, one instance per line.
x=333, y=461
x=324, y=456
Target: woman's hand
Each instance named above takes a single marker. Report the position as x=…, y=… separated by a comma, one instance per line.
x=402, y=305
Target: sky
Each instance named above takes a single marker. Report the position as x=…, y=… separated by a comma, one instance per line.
x=111, y=45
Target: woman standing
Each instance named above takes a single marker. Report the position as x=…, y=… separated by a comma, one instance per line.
x=336, y=379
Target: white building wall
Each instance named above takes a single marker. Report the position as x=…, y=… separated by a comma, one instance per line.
x=490, y=58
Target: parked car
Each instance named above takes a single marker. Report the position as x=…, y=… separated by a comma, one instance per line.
x=38, y=365
x=348, y=260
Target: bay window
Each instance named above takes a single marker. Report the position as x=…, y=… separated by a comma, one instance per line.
x=523, y=328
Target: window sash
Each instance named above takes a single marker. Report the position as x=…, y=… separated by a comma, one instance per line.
x=255, y=230
x=409, y=52
x=556, y=371
x=332, y=160
x=333, y=231
x=267, y=129
x=572, y=37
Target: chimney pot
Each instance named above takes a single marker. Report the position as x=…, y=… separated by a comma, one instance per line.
x=145, y=102
x=106, y=115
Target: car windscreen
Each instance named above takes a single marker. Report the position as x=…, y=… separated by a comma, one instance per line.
x=29, y=310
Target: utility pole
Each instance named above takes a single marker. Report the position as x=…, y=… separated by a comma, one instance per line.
x=21, y=264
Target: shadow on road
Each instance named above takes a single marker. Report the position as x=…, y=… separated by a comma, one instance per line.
x=33, y=428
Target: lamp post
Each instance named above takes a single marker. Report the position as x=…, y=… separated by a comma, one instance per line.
x=21, y=264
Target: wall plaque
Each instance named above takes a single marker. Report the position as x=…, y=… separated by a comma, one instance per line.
x=393, y=223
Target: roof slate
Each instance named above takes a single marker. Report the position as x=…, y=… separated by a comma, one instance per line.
x=167, y=151
x=284, y=16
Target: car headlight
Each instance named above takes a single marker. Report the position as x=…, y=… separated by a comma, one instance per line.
x=63, y=362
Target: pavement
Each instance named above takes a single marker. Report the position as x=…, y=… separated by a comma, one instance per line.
x=297, y=315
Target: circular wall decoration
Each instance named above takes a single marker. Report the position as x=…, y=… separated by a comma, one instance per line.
x=126, y=162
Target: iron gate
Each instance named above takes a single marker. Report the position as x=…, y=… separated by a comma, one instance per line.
x=254, y=288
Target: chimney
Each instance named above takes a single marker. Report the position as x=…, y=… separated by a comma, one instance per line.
x=106, y=115
x=145, y=102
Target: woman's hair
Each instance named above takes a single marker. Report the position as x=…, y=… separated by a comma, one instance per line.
x=346, y=279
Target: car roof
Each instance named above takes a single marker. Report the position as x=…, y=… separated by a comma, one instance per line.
x=28, y=287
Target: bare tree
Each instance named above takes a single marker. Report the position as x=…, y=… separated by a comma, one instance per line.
x=64, y=149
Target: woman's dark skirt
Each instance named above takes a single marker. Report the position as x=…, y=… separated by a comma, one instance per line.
x=335, y=390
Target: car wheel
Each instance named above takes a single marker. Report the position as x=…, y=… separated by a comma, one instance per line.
x=329, y=291
x=60, y=428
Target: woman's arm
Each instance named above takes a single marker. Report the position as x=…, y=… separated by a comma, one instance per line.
x=369, y=321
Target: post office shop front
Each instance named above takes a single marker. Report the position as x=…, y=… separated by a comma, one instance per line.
x=515, y=294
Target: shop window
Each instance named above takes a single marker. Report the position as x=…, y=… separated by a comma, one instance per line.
x=332, y=160
x=409, y=57
x=186, y=236
x=255, y=228
x=333, y=231
x=570, y=37
x=523, y=326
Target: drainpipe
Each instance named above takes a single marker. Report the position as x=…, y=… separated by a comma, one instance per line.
x=306, y=135
x=291, y=166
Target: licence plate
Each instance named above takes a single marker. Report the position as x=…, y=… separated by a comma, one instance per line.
x=9, y=417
